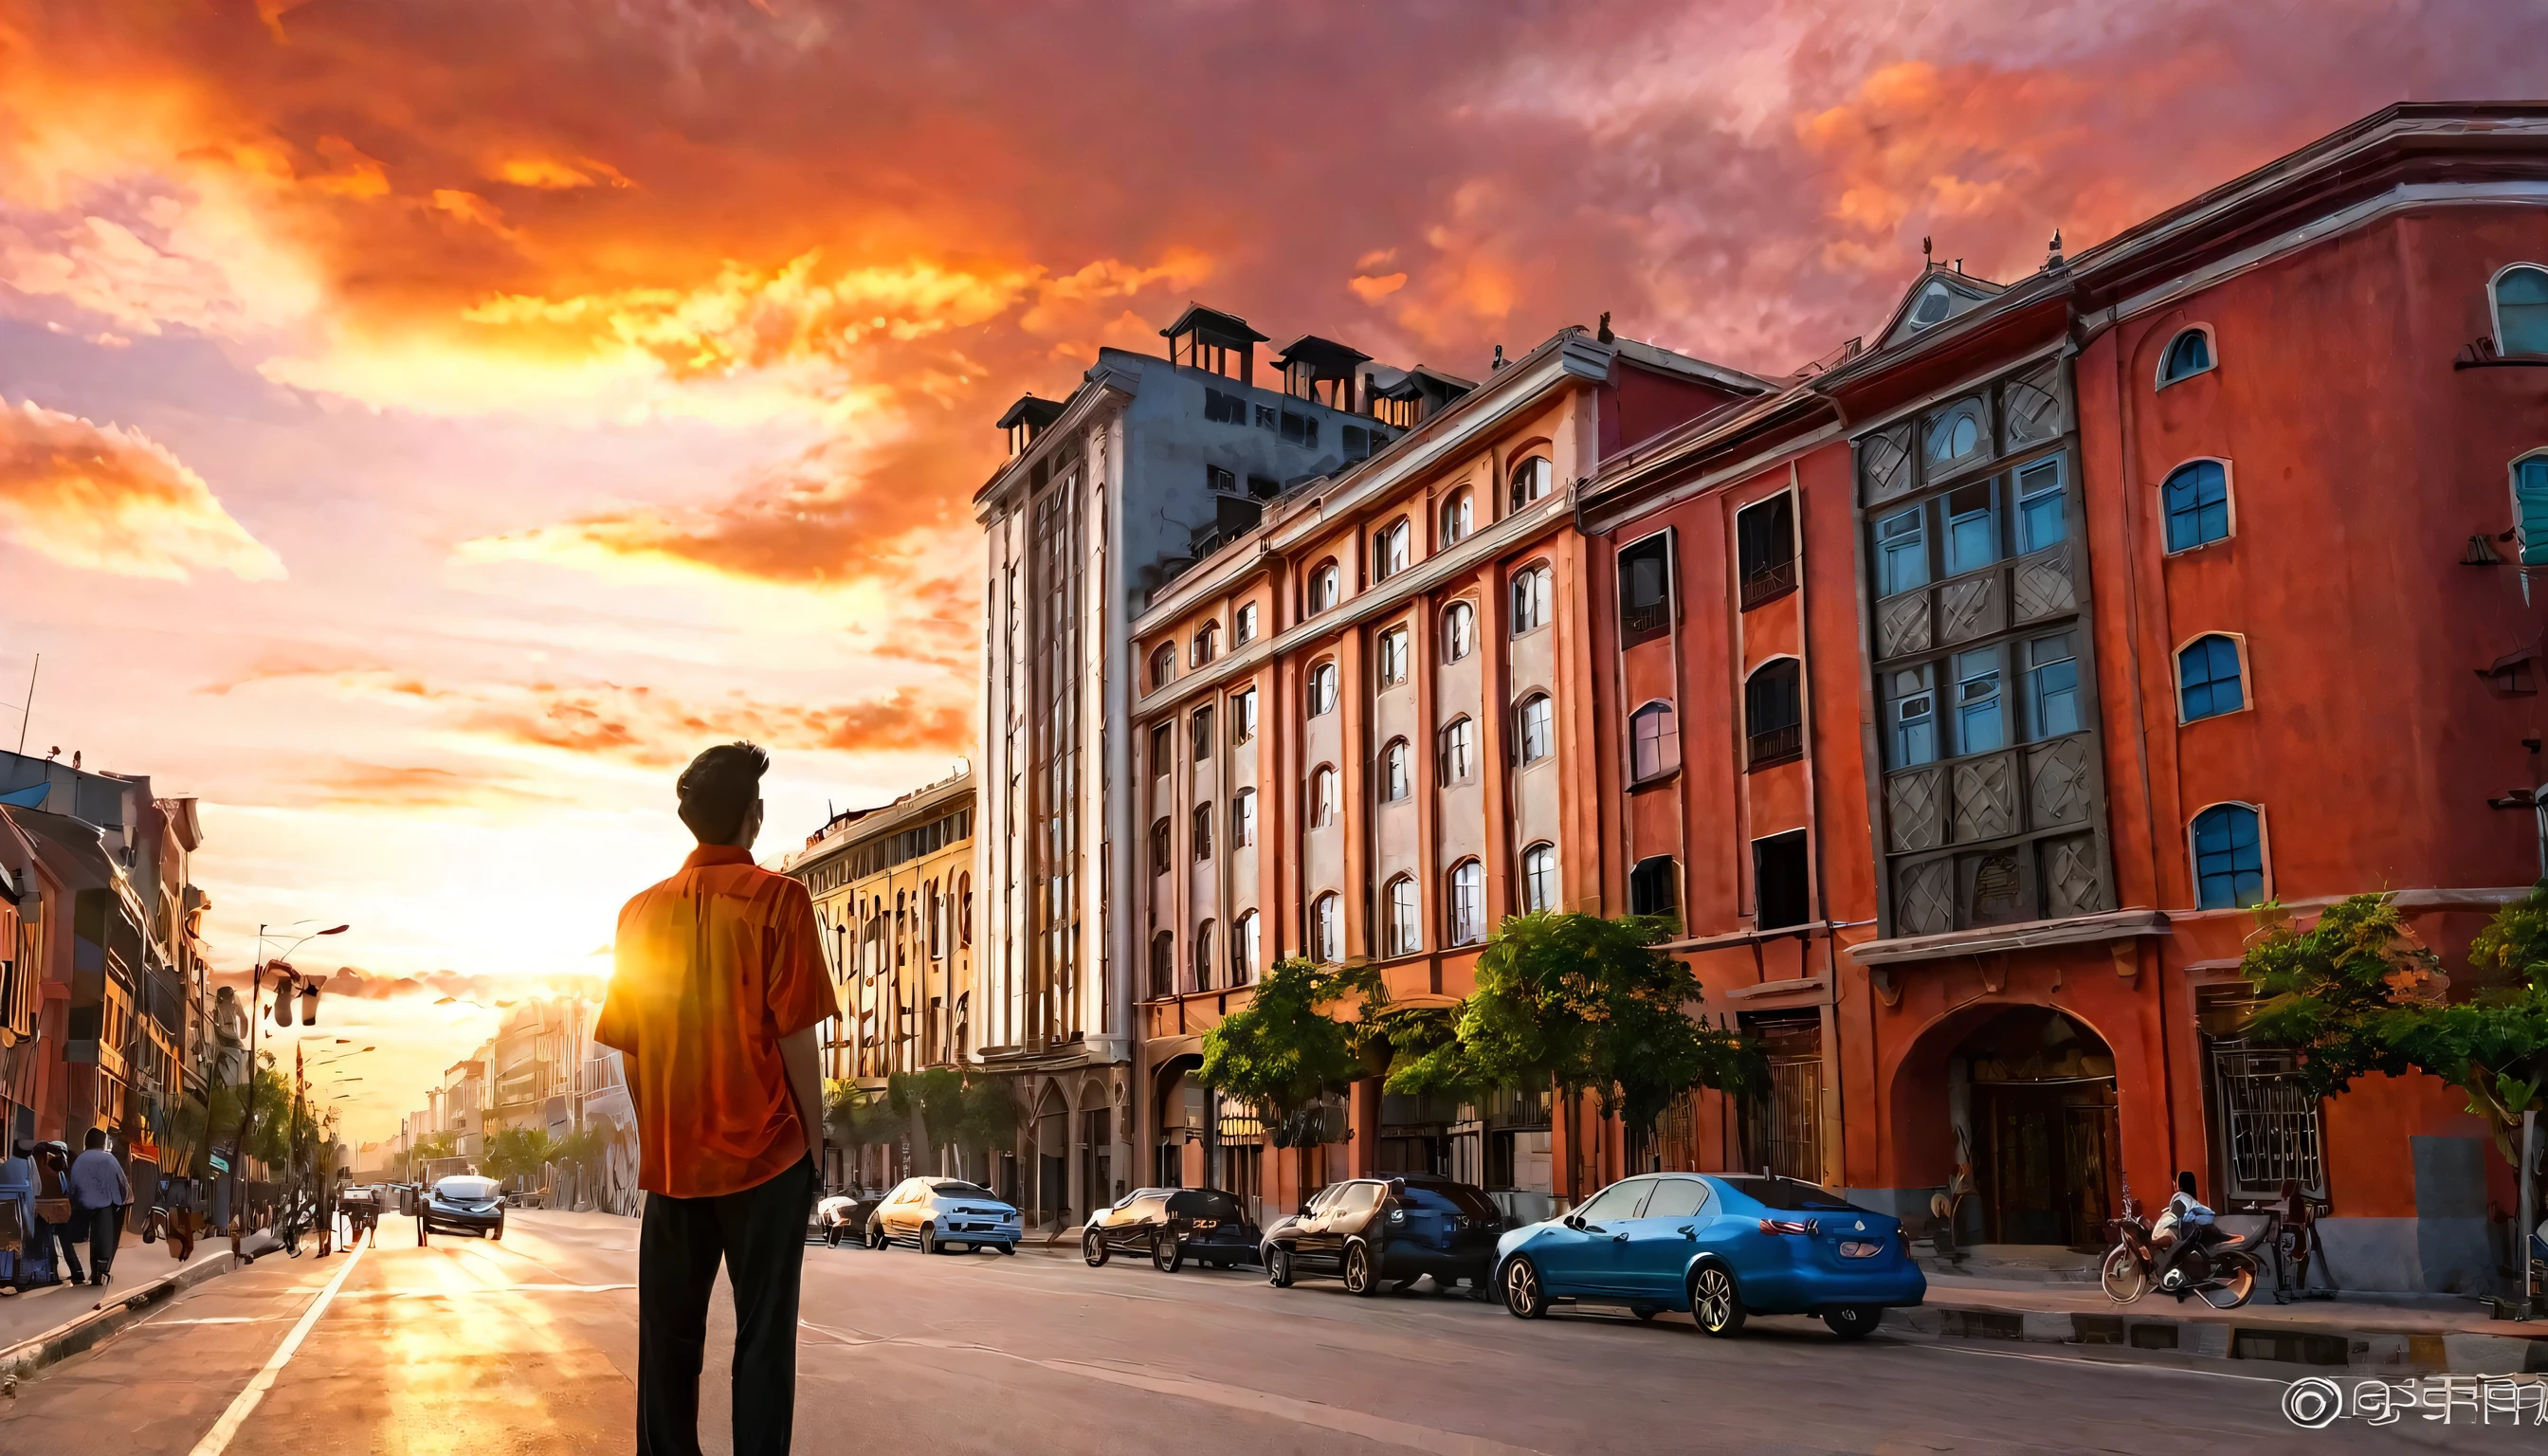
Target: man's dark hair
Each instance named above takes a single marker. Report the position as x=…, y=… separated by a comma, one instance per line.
x=719, y=788
x=2185, y=1183
x=96, y=1137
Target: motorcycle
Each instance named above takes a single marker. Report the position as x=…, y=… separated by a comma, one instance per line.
x=2223, y=1273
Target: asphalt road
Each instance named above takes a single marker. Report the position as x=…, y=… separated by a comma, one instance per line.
x=529, y=1345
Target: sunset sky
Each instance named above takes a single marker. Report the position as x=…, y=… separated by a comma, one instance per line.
x=425, y=427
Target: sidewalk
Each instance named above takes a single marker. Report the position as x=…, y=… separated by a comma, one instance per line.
x=136, y=1264
x=2455, y=1338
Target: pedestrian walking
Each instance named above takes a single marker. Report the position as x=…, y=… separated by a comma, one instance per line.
x=716, y=993
x=99, y=1197
x=56, y=1215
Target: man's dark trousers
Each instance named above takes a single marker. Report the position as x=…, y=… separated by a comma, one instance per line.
x=104, y=1229
x=760, y=1234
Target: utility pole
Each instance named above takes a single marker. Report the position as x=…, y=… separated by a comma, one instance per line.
x=28, y=710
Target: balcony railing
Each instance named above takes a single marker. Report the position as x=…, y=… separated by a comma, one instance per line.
x=1778, y=745
x=1769, y=581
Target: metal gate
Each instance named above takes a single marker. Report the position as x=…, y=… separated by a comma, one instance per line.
x=2269, y=1122
x=1788, y=1119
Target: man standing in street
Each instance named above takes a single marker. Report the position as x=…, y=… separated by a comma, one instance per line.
x=715, y=996
x=99, y=1197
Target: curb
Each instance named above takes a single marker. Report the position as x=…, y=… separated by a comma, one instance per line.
x=26, y=1358
x=2370, y=1351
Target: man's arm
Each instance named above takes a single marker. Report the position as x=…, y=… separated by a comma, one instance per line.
x=803, y=1060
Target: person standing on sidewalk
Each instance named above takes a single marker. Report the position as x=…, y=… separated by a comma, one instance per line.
x=99, y=1197
x=716, y=993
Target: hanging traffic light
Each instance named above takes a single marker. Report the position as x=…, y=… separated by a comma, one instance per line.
x=310, y=1004
x=283, y=1006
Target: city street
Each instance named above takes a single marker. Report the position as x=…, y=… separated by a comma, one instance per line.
x=529, y=1345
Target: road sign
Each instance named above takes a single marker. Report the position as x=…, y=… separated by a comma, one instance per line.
x=221, y=1164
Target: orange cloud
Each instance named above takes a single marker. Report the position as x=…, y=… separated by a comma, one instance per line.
x=642, y=726
x=107, y=499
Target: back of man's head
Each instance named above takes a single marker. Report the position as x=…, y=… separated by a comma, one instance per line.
x=96, y=1137
x=719, y=788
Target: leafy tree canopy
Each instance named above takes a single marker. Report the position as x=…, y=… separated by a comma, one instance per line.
x=1285, y=1052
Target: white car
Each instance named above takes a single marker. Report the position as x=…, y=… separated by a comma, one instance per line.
x=934, y=1214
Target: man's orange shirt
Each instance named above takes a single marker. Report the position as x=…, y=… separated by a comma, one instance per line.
x=712, y=967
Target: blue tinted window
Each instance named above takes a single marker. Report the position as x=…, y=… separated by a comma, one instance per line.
x=2530, y=499
x=2189, y=352
x=1972, y=530
x=1902, y=552
x=2052, y=687
x=2229, y=858
x=2197, y=504
x=2040, y=519
x=2206, y=677
x=1915, y=718
x=1977, y=720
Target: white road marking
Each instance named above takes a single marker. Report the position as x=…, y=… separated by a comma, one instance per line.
x=2091, y=1360
x=217, y=1440
x=217, y=1320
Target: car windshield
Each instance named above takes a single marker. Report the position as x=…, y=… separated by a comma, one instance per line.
x=1789, y=1193
x=1451, y=1198
x=465, y=1189
x=1204, y=1202
x=949, y=1188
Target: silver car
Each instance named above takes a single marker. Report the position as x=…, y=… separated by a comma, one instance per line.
x=934, y=1214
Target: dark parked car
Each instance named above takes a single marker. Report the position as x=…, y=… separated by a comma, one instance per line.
x=1371, y=1232
x=1172, y=1226
x=841, y=1215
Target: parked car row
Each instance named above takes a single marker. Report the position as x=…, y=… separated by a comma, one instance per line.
x=1719, y=1247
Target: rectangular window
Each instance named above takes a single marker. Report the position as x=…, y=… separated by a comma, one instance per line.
x=2530, y=501
x=1163, y=749
x=1914, y=718
x=1264, y=416
x=1645, y=589
x=1202, y=734
x=1393, y=657
x=1242, y=821
x=1219, y=480
x=2052, y=687
x=2041, y=518
x=1652, y=886
x=1765, y=537
x=1902, y=552
x=1979, y=728
x=1779, y=882
x=1225, y=408
x=1972, y=530
x=1242, y=715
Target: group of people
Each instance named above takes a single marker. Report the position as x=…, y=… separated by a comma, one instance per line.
x=78, y=1200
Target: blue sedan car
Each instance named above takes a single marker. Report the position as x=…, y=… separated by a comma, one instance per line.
x=1721, y=1246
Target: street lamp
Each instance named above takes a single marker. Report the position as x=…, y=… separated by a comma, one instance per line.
x=247, y=1098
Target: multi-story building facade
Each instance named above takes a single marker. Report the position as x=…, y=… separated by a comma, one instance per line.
x=894, y=896
x=1362, y=731
x=1147, y=464
x=533, y=1063
x=1965, y=695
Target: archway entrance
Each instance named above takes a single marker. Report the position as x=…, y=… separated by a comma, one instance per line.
x=1052, y=1158
x=2031, y=1092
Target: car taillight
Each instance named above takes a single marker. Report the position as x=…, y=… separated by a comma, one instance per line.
x=1783, y=1226
x=1859, y=1248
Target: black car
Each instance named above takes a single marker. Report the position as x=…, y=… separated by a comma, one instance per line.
x=1371, y=1232
x=1172, y=1226
x=462, y=1204
x=840, y=1216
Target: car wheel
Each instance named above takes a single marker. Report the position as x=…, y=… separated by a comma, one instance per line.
x=928, y=1238
x=1524, y=1296
x=1645, y=1312
x=1010, y=1249
x=875, y=1235
x=1715, y=1302
x=1166, y=1254
x=1853, y=1321
x=498, y=1234
x=1094, y=1250
x=1361, y=1278
x=1278, y=1267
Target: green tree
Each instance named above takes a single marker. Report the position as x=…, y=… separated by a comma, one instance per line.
x=428, y=1147
x=1583, y=1005
x=517, y=1153
x=1285, y=1053
x=2357, y=993
x=284, y=1132
x=946, y=1109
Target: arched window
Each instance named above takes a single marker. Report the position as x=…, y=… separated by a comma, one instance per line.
x=1773, y=719
x=1163, y=965
x=1532, y=480
x=1654, y=741
x=1459, y=751
x=1325, y=586
x=2229, y=858
x=1459, y=631
x=1530, y=599
x=1389, y=550
x=2208, y=678
x=1207, y=644
x=964, y=909
x=1159, y=854
x=2197, y=497
x=1468, y=903
x=1406, y=930
x=1163, y=664
x=1956, y=433
x=1390, y=648
x=1202, y=831
x=1536, y=725
x=1203, y=967
x=2520, y=294
x=1396, y=772
x=1244, y=949
x=1243, y=626
x=2188, y=354
x=1322, y=797
x=1458, y=517
x=1322, y=688
x=1242, y=819
x=1539, y=879
x=1327, y=929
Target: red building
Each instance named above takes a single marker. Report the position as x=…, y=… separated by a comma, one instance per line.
x=1962, y=695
